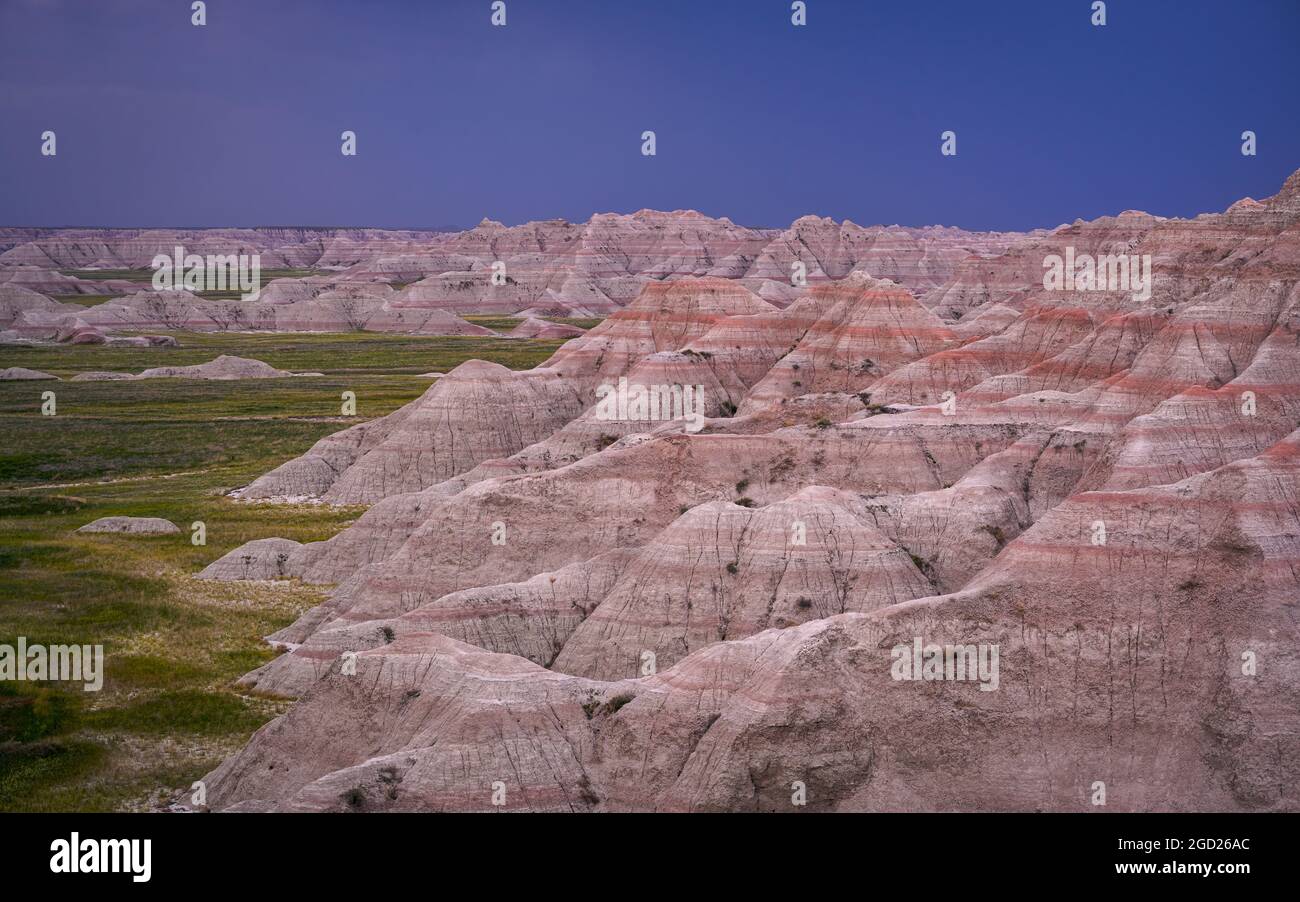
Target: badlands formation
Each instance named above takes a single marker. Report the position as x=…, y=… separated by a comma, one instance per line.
x=144, y=526
x=220, y=368
x=422, y=282
x=544, y=609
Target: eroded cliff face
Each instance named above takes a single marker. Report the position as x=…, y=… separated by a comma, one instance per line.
x=1097, y=494
x=423, y=282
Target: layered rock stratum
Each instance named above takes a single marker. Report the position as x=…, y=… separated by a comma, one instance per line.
x=1092, y=497
x=424, y=282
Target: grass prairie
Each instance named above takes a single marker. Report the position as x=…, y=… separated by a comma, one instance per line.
x=504, y=322
x=168, y=448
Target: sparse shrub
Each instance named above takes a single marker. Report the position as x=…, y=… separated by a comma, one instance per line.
x=585, y=791
x=926, y=568
x=781, y=467
x=614, y=704
x=591, y=707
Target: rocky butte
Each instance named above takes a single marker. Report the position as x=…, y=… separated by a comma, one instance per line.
x=542, y=610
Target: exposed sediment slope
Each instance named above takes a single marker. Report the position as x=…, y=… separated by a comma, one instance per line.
x=1101, y=488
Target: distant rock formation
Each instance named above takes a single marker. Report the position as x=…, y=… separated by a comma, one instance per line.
x=16, y=300
x=532, y=327
x=136, y=526
x=423, y=282
x=223, y=367
x=53, y=283
x=19, y=374
x=103, y=376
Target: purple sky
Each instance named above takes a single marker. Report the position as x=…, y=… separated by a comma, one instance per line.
x=238, y=123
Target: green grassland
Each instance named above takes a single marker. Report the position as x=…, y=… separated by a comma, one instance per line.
x=169, y=448
x=504, y=323
x=360, y=353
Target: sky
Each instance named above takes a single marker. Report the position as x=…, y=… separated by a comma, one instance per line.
x=237, y=123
